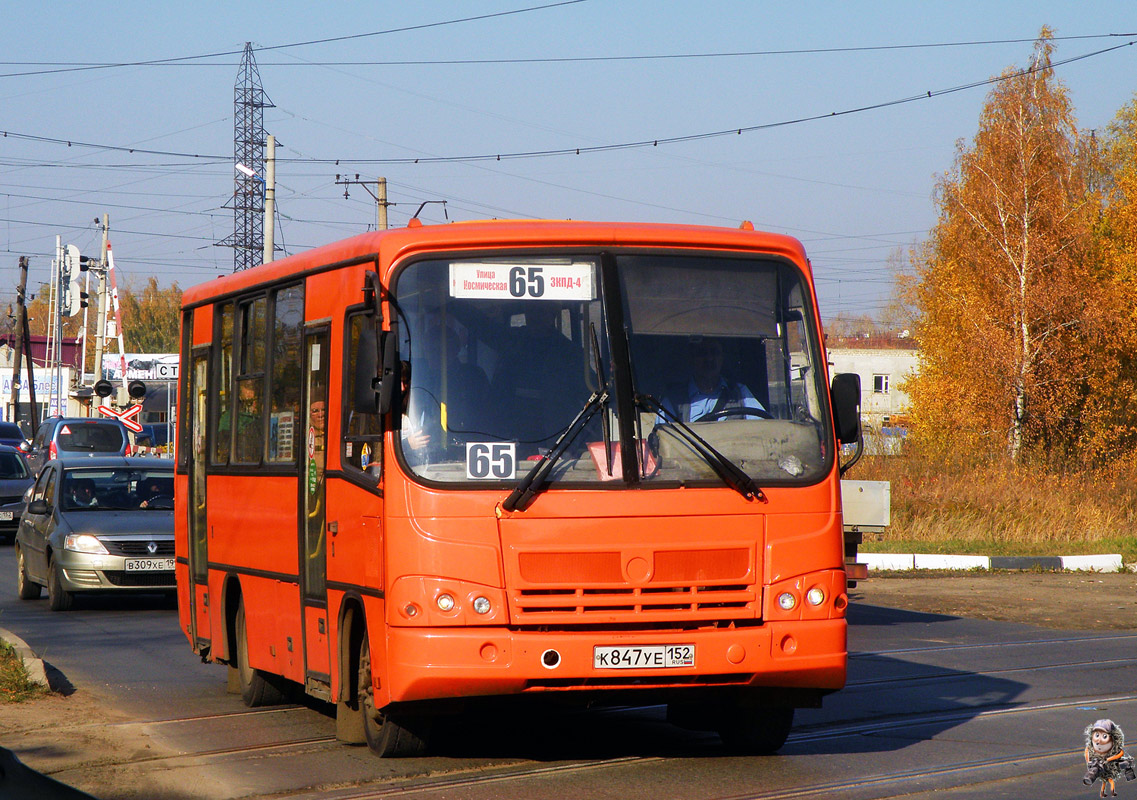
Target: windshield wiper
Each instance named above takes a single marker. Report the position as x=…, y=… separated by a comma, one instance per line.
x=732, y=474
x=520, y=498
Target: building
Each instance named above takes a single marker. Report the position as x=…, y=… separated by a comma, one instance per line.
x=884, y=404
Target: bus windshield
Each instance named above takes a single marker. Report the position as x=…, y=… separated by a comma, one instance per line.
x=708, y=354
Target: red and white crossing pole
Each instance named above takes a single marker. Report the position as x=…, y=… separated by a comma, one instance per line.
x=117, y=315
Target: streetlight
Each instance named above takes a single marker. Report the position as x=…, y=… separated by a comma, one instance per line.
x=249, y=173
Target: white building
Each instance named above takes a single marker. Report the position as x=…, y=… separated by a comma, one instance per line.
x=882, y=372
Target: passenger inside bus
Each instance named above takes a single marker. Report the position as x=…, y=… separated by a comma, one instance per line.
x=708, y=394
x=414, y=434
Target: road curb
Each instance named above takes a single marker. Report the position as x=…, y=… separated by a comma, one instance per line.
x=32, y=663
x=1107, y=562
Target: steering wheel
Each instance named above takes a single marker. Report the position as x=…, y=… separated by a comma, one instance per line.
x=734, y=411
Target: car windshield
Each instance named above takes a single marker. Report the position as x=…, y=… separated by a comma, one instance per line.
x=12, y=467
x=722, y=364
x=91, y=437
x=117, y=489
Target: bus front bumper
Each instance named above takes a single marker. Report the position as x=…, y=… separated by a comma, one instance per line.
x=435, y=663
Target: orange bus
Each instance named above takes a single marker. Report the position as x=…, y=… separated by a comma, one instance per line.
x=428, y=468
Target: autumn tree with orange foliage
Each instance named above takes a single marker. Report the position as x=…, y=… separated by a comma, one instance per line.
x=150, y=318
x=1113, y=166
x=1008, y=302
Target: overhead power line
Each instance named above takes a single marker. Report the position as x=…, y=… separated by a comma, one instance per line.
x=64, y=65
x=404, y=29
x=603, y=148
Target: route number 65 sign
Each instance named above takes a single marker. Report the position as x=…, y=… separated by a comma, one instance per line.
x=491, y=461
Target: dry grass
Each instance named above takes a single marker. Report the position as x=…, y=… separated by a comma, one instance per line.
x=15, y=685
x=1000, y=509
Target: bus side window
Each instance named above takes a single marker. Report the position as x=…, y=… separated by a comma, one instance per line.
x=362, y=447
x=249, y=416
x=222, y=381
x=284, y=392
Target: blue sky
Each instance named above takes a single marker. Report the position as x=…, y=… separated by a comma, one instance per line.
x=856, y=188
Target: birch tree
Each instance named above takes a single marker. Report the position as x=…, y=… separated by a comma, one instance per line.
x=1003, y=287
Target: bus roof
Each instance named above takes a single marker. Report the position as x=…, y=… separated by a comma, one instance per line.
x=397, y=243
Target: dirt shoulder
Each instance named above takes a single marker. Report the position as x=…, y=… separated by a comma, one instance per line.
x=1065, y=600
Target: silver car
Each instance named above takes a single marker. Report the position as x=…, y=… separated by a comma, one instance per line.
x=97, y=525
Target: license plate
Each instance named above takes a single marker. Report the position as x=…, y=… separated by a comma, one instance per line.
x=655, y=656
x=149, y=564
x=6, y=516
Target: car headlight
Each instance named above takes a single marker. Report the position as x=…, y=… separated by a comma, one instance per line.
x=84, y=543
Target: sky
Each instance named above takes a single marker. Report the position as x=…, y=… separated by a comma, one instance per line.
x=841, y=118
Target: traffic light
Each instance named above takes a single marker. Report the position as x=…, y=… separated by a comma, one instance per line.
x=103, y=388
x=136, y=389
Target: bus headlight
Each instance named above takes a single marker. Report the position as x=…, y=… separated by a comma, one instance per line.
x=787, y=601
x=815, y=596
x=421, y=600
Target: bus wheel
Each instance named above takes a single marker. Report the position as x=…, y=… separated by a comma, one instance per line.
x=757, y=731
x=255, y=687
x=387, y=737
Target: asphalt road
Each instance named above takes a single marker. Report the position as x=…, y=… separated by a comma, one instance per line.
x=965, y=708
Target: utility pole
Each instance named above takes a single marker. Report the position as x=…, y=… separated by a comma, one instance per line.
x=270, y=200
x=101, y=316
x=23, y=338
x=379, y=195
x=381, y=200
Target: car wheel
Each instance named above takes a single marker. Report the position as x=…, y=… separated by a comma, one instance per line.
x=386, y=736
x=256, y=690
x=58, y=598
x=24, y=585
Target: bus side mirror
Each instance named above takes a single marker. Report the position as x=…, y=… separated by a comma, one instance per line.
x=845, y=397
x=391, y=370
x=376, y=371
x=365, y=399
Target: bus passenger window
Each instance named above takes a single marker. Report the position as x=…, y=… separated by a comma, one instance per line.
x=249, y=430
x=222, y=384
x=284, y=392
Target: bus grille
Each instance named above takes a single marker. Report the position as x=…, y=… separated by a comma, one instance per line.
x=552, y=606
x=615, y=587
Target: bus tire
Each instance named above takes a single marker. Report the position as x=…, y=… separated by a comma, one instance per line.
x=386, y=736
x=755, y=731
x=256, y=688
x=58, y=598
x=25, y=586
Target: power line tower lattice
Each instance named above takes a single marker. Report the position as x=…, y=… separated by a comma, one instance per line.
x=248, y=202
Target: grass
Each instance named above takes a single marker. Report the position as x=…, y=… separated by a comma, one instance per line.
x=15, y=685
x=1001, y=509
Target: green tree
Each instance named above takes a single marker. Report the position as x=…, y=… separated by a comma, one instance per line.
x=1004, y=286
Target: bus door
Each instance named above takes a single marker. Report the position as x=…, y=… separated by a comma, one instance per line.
x=313, y=533
x=196, y=508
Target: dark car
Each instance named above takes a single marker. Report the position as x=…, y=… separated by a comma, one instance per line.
x=15, y=478
x=57, y=437
x=11, y=434
x=97, y=525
